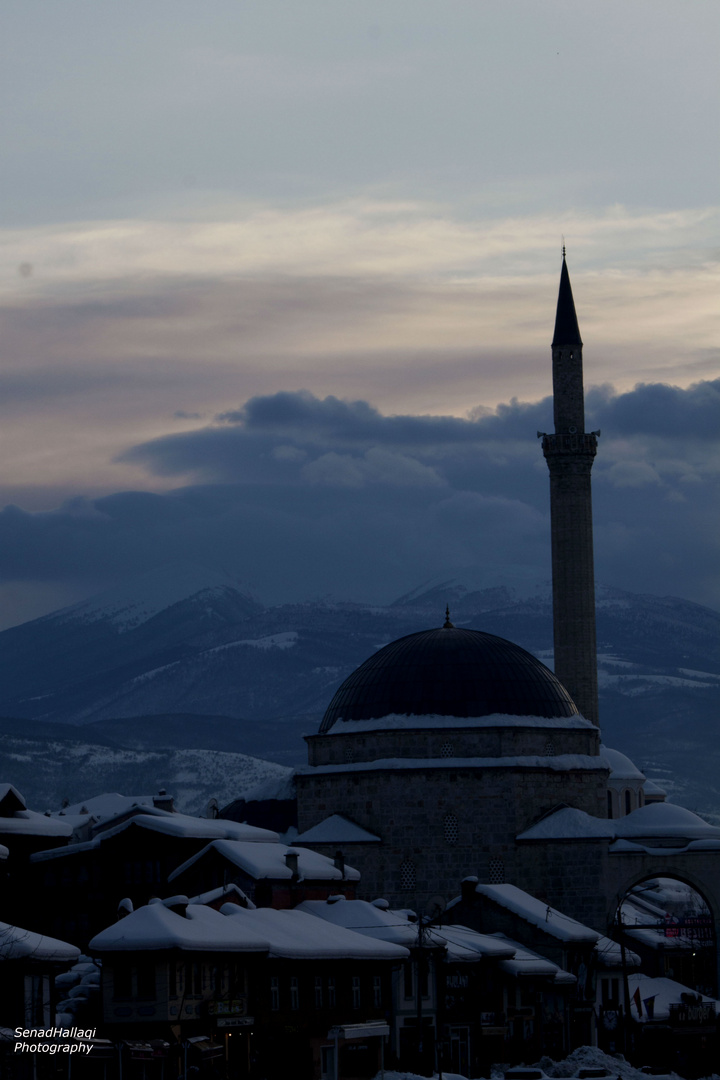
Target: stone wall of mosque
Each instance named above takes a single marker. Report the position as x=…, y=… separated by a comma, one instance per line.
x=439, y=825
x=501, y=740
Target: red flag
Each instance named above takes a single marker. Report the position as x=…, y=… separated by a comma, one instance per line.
x=638, y=1002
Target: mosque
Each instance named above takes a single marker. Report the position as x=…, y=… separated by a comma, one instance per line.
x=453, y=754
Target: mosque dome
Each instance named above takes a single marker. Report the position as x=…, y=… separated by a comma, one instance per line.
x=449, y=672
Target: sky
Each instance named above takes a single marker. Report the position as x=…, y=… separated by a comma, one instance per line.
x=278, y=280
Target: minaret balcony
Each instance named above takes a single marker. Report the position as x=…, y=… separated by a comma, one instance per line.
x=579, y=442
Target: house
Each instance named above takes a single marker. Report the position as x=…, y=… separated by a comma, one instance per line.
x=267, y=990
x=269, y=874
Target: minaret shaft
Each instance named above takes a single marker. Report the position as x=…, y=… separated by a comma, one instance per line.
x=570, y=453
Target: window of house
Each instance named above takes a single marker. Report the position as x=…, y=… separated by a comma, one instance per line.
x=294, y=993
x=407, y=980
x=193, y=980
x=610, y=993
x=122, y=982
x=318, y=992
x=172, y=979
x=274, y=993
x=146, y=982
x=451, y=829
x=331, y=992
x=408, y=875
x=377, y=991
x=356, y=991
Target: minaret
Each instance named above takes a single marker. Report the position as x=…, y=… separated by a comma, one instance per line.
x=570, y=452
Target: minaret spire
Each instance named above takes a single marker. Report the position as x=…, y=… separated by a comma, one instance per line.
x=570, y=453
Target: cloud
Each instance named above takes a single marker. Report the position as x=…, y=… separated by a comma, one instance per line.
x=301, y=495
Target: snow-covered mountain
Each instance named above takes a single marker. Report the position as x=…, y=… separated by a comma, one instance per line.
x=194, y=663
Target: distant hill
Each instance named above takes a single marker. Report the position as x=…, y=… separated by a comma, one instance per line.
x=193, y=663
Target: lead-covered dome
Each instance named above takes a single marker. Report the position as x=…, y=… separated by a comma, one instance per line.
x=449, y=672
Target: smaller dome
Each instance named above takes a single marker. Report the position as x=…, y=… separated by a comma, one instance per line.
x=621, y=767
x=449, y=672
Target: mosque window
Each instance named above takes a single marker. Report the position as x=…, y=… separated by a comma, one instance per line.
x=408, y=875
x=497, y=871
x=549, y=748
x=447, y=749
x=641, y=797
x=451, y=829
x=628, y=801
x=610, y=803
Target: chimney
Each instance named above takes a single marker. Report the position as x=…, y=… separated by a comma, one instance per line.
x=125, y=907
x=178, y=904
x=339, y=863
x=163, y=801
x=467, y=889
x=291, y=861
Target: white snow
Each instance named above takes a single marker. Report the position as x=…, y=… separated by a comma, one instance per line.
x=432, y=720
x=260, y=860
x=16, y=944
x=666, y=992
x=664, y=819
x=144, y=595
x=284, y=640
x=569, y=823
x=527, y=962
x=621, y=767
x=295, y=934
x=537, y=913
x=29, y=823
x=336, y=829
x=557, y=762
x=155, y=926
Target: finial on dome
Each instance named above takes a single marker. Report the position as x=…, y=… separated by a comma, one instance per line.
x=447, y=625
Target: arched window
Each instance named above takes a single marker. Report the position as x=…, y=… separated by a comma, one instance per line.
x=408, y=875
x=451, y=829
x=497, y=871
x=628, y=801
x=610, y=803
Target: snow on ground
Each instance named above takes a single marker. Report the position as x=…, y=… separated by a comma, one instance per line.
x=585, y=1057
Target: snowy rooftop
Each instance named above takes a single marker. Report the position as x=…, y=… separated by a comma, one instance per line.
x=653, y=822
x=259, y=860
x=558, y=763
x=19, y=944
x=538, y=913
x=609, y=954
x=663, y=993
x=298, y=935
x=103, y=806
x=433, y=720
x=171, y=824
x=621, y=767
x=29, y=823
x=569, y=823
x=156, y=926
x=665, y=820
x=378, y=921
x=336, y=829
x=525, y=962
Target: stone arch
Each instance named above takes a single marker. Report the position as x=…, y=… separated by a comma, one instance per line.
x=667, y=870
x=677, y=869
